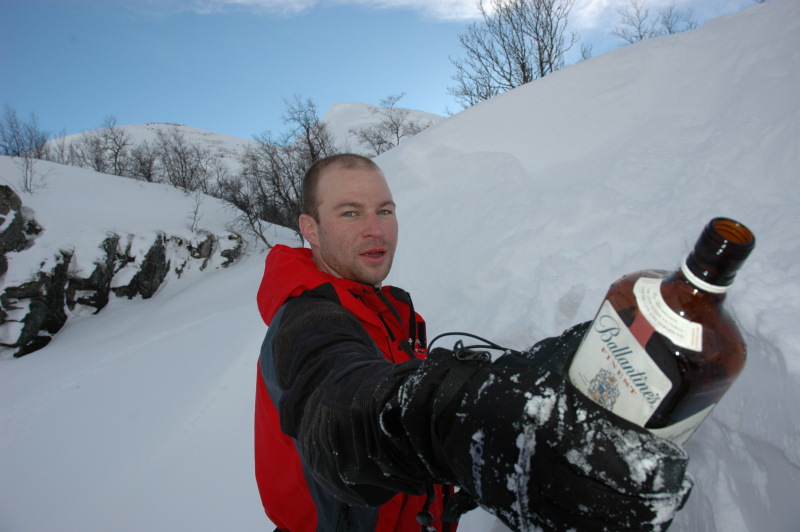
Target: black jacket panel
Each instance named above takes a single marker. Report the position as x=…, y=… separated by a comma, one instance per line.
x=331, y=382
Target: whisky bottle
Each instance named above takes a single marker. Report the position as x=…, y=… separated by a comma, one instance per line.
x=662, y=350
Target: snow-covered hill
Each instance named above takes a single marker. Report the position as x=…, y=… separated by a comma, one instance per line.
x=228, y=149
x=515, y=216
x=342, y=118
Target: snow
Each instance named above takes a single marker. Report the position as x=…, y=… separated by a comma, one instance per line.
x=226, y=147
x=343, y=117
x=98, y=206
x=515, y=216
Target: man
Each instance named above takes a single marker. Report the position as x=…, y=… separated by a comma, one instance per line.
x=350, y=223
x=357, y=430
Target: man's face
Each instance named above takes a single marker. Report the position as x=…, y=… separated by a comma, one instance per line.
x=356, y=235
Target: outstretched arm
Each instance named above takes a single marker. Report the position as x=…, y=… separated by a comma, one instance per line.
x=515, y=436
x=531, y=449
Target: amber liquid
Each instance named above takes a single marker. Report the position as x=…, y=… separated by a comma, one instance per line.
x=699, y=379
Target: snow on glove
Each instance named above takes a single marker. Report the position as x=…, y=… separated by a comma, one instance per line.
x=530, y=448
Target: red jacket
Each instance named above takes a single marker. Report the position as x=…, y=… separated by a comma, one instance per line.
x=389, y=318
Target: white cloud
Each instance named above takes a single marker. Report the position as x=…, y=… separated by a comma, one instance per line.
x=437, y=9
x=440, y=9
x=283, y=7
x=585, y=14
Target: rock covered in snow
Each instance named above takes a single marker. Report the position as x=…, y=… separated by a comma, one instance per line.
x=52, y=270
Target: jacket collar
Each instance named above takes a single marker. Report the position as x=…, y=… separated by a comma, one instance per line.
x=289, y=272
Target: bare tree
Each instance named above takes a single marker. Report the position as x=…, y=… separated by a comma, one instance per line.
x=268, y=187
x=273, y=171
x=57, y=150
x=393, y=126
x=170, y=159
x=182, y=164
x=106, y=150
x=89, y=151
x=636, y=24
x=239, y=195
x=195, y=215
x=116, y=143
x=30, y=179
x=251, y=193
x=27, y=167
x=674, y=20
x=18, y=137
x=311, y=134
x=143, y=162
x=516, y=42
x=26, y=141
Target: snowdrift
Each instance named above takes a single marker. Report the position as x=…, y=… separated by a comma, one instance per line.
x=517, y=214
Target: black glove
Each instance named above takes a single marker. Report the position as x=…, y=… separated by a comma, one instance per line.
x=530, y=448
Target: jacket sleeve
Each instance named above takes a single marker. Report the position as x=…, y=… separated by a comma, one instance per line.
x=531, y=449
x=513, y=434
x=333, y=382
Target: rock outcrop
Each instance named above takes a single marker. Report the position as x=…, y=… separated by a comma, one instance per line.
x=129, y=266
x=12, y=225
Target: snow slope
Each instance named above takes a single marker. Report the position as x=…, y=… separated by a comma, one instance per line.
x=105, y=428
x=532, y=204
x=224, y=147
x=515, y=216
x=342, y=117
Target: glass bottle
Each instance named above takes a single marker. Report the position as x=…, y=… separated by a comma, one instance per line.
x=662, y=350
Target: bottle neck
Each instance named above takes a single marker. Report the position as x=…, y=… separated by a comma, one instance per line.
x=700, y=283
x=721, y=249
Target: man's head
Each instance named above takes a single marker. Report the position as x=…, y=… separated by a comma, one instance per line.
x=349, y=218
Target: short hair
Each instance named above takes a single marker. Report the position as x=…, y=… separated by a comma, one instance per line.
x=346, y=161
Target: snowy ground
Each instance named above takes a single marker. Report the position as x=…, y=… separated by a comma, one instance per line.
x=515, y=216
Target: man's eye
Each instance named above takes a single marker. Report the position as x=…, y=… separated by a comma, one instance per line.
x=384, y=212
x=349, y=214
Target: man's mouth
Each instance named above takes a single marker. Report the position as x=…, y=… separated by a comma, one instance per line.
x=374, y=253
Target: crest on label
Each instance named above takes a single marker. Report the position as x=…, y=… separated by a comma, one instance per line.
x=603, y=389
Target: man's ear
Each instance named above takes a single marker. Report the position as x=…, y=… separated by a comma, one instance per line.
x=308, y=228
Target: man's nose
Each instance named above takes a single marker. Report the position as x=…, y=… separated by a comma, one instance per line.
x=374, y=226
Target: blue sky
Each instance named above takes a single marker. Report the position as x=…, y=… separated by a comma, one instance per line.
x=229, y=65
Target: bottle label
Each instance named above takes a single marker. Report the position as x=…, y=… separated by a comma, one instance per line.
x=612, y=368
x=662, y=318
x=680, y=431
